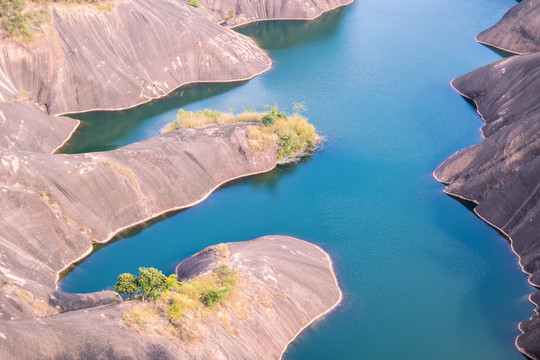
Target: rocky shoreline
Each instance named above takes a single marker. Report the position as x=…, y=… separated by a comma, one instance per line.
x=501, y=174
x=57, y=206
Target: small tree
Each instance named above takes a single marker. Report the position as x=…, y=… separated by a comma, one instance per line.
x=152, y=283
x=127, y=284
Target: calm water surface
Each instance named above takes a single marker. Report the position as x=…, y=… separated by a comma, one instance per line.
x=423, y=278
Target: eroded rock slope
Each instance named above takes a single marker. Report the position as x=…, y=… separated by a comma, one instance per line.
x=502, y=173
x=286, y=284
x=518, y=31
x=92, y=59
x=25, y=127
x=237, y=12
x=54, y=206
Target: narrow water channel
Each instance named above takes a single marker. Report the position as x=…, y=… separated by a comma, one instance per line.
x=423, y=278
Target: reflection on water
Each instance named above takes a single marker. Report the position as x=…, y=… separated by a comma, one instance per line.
x=423, y=278
x=108, y=130
x=272, y=35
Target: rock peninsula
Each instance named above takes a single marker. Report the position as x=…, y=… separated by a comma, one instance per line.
x=501, y=174
x=239, y=12
x=56, y=207
x=286, y=284
x=518, y=31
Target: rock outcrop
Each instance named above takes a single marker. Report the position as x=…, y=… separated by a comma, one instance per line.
x=238, y=12
x=25, y=127
x=518, y=31
x=502, y=173
x=287, y=284
x=89, y=59
x=54, y=206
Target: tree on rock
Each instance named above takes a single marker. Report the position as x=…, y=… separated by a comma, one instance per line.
x=152, y=283
x=127, y=284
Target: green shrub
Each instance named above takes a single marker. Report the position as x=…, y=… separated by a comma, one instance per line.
x=127, y=284
x=212, y=297
x=268, y=120
x=194, y=3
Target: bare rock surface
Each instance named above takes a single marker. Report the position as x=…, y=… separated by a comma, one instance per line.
x=502, y=173
x=287, y=284
x=24, y=126
x=54, y=206
x=238, y=12
x=89, y=59
x=518, y=31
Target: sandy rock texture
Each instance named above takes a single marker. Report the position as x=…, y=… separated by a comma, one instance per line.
x=287, y=284
x=54, y=206
x=238, y=12
x=518, y=31
x=502, y=173
x=141, y=50
x=25, y=127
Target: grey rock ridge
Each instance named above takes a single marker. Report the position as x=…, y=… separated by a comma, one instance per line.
x=286, y=284
x=25, y=127
x=502, y=173
x=55, y=206
x=90, y=59
x=238, y=12
x=518, y=31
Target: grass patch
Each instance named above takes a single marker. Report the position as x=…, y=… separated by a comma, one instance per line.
x=195, y=120
x=293, y=133
x=22, y=19
x=194, y=298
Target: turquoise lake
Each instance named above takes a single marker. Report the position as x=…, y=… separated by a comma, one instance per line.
x=422, y=276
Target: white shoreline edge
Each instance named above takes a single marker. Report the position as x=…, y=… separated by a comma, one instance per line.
x=287, y=19
x=523, y=351
x=69, y=136
x=332, y=271
x=112, y=234
x=67, y=113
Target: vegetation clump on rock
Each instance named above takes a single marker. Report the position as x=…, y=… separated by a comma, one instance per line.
x=292, y=133
x=165, y=300
x=22, y=20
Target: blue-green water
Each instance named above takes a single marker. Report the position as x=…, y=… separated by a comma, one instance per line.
x=423, y=278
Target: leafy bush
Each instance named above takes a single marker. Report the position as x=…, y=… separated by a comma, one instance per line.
x=194, y=3
x=197, y=296
x=212, y=297
x=292, y=133
x=151, y=283
x=268, y=120
x=127, y=284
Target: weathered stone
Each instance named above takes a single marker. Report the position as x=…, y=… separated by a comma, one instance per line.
x=24, y=126
x=518, y=31
x=238, y=12
x=90, y=59
x=502, y=173
x=286, y=284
